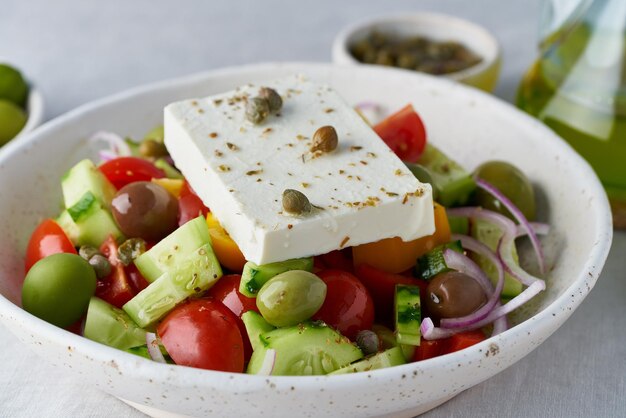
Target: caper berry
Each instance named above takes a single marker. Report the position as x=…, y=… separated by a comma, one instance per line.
x=273, y=98
x=101, y=265
x=325, y=139
x=130, y=250
x=367, y=341
x=257, y=109
x=87, y=251
x=151, y=148
x=295, y=202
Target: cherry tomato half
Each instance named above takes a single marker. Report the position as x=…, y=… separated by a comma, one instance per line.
x=203, y=333
x=404, y=133
x=226, y=290
x=429, y=349
x=124, y=170
x=381, y=285
x=115, y=288
x=47, y=239
x=348, y=306
x=463, y=340
x=190, y=207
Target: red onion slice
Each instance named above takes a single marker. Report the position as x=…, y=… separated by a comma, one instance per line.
x=154, y=350
x=268, y=363
x=116, y=144
x=500, y=325
x=465, y=265
x=519, y=216
x=539, y=228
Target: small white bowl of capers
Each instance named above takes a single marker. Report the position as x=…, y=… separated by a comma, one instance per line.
x=431, y=43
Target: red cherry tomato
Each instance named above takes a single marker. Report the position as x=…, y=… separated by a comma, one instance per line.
x=190, y=207
x=382, y=286
x=124, y=170
x=136, y=280
x=429, y=349
x=187, y=189
x=203, y=333
x=404, y=133
x=226, y=290
x=115, y=288
x=348, y=306
x=463, y=340
x=47, y=239
x=338, y=259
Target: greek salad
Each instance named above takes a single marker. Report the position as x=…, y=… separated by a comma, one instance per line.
x=174, y=247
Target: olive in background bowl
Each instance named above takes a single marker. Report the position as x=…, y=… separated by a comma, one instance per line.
x=435, y=27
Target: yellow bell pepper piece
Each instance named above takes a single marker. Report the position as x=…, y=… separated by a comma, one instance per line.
x=394, y=255
x=173, y=186
x=226, y=250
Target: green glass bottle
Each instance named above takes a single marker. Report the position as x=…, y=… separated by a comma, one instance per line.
x=578, y=86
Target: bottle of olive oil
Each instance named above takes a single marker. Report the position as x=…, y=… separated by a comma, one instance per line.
x=578, y=87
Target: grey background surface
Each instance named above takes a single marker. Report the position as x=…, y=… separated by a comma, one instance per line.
x=77, y=51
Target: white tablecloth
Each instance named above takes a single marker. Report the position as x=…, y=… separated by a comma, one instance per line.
x=76, y=51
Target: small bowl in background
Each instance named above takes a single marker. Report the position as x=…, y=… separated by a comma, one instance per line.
x=437, y=27
x=35, y=111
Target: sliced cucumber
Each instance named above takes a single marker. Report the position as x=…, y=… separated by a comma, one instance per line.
x=454, y=183
x=389, y=340
x=408, y=314
x=311, y=348
x=459, y=225
x=255, y=276
x=85, y=177
x=432, y=263
x=490, y=235
x=90, y=230
x=388, y=358
x=111, y=326
x=255, y=327
x=191, y=276
x=174, y=248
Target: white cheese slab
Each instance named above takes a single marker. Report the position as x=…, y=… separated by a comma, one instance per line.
x=362, y=192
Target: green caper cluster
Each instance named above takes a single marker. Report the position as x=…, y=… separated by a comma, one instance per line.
x=130, y=250
x=96, y=259
x=414, y=53
x=260, y=107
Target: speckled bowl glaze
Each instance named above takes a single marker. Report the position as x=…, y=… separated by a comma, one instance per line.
x=469, y=125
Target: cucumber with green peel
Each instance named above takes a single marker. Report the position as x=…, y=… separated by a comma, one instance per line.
x=388, y=340
x=490, y=235
x=388, y=358
x=408, y=314
x=455, y=185
x=432, y=263
x=85, y=177
x=255, y=327
x=93, y=229
x=171, y=250
x=170, y=172
x=190, y=276
x=111, y=326
x=311, y=348
x=255, y=276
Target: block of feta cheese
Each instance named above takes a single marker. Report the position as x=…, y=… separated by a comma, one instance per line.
x=360, y=192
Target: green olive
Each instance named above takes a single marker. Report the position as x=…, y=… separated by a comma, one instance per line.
x=12, y=120
x=57, y=288
x=291, y=297
x=511, y=182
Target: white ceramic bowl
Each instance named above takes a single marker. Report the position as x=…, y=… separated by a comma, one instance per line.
x=435, y=26
x=469, y=125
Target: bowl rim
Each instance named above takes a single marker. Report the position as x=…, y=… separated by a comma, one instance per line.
x=341, y=54
x=183, y=376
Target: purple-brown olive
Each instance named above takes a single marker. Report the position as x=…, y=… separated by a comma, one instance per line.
x=145, y=210
x=453, y=294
